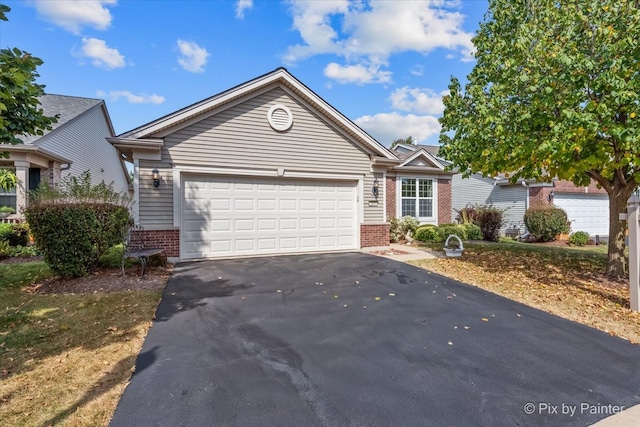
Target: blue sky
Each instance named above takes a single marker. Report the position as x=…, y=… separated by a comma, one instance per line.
x=384, y=64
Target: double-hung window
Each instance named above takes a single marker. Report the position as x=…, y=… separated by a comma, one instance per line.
x=417, y=197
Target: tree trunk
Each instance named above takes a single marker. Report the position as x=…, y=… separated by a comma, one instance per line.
x=618, y=196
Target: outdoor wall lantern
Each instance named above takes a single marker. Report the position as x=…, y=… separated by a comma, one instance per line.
x=155, y=175
x=375, y=190
x=552, y=195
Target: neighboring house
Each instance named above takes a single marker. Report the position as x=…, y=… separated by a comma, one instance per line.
x=76, y=143
x=587, y=207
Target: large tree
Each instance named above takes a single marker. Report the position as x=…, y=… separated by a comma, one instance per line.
x=554, y=93
x=20, y=112
x=408, y=140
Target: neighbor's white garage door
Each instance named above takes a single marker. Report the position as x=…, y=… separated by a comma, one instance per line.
x=587, y=212
x=229, y=216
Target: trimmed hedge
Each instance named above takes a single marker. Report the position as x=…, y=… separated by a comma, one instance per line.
x=579, y=238
x=73, y=236
x=545, y=222
x=473, y=231
x=15, y=234
x=428, y=233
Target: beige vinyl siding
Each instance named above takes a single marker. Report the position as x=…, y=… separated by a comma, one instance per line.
x=373, y=214
x=83, y=140
x=156, y=204
x=480, y=190
x=240, y=137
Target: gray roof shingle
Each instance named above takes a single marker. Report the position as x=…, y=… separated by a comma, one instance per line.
x=68, y=107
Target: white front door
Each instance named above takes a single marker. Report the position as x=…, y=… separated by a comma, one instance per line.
x=230, y=216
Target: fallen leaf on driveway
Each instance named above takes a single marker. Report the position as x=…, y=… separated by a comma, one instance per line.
x=377, y=298
x=450, y=343
x=391, y=294
x=335, y=297
x=484, y=319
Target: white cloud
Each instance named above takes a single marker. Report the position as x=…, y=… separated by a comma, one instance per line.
x=72, y=15
x=417, y=100
x=386, y=127
x=241, y=6
x=193, y=57
x=356, y=74
x=101, y=54
x=132, y=98
x=376, y=29
x=417, y=70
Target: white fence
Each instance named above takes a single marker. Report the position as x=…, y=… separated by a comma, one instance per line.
x=633, y=220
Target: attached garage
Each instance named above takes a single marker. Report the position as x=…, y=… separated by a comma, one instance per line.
x=587, y=212
x=231, y=216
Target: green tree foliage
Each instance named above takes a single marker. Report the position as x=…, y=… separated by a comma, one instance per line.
x=75, y=223
x=554, y=93
x=20, y=113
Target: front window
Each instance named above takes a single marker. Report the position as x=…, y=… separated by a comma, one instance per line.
x=417, y=197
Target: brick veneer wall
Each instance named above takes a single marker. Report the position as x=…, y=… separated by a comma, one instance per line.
x=570, y=187
x=169, y=240
x=374, y=235
x=539, y=195
x=444, y=201
x=391, y=197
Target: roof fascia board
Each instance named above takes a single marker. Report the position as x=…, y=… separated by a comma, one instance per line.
x=426, y=155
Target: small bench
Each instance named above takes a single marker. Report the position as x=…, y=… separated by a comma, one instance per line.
x=135, y=247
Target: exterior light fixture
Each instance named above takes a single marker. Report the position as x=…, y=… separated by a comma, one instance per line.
x=375, y=189
x=552, y=195
x=155, y=175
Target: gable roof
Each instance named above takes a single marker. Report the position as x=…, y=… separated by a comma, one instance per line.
x=431, y=149
x=67, y=107
x=430, y=161
x=279, y=76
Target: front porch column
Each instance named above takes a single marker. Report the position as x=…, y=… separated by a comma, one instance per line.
x=22, y=173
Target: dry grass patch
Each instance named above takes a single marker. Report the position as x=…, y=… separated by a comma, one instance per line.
x=568, y=283
x=66, y=358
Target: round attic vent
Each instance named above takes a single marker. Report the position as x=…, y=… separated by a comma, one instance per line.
x=280, y=117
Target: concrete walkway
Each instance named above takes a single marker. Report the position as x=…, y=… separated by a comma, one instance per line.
x=414, y=253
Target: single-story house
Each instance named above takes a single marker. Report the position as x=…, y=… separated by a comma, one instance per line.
x=75, y=144
x=269, y=167
x=587, y=207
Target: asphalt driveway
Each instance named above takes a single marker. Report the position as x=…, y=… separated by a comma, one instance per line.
x=358, y=340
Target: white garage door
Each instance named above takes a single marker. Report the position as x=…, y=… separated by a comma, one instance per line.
x=230, y=216
x=587, y=212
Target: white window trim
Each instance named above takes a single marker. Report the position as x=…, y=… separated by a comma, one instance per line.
x=423, y=220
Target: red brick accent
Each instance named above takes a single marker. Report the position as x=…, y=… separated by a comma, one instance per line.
x=570, y=187
x=374, y=235
x=444, y=201
x=539, y=195
x=169, y=240
x=391, y=197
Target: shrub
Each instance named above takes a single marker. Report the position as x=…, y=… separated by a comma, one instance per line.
x=467, y=215
x=19, y=250
x=428, y=233
x=490, y=219
x=579, y=238
x=445, y=230
x=75, y=223
x=398, y=228
x=112, y=258
x=473, y=231
x=545, y=222
x=15, y=234
x=5, y=249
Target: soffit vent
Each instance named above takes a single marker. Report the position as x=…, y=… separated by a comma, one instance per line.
x=280, y=117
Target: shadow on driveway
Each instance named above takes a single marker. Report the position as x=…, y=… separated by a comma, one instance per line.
x=355, y=339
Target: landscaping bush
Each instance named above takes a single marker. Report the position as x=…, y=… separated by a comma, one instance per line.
x=75, y=223
x=19, y=250
x=473, y=231
x=398, y=228
x=579, y=238
x=15, y=234
x=467, y=215
x=428, y=233
x=545, y=222
x=445, y=230
x=490, y=219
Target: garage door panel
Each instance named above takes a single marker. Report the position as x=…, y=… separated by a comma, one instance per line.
x=226, y=216
x=587, y=212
